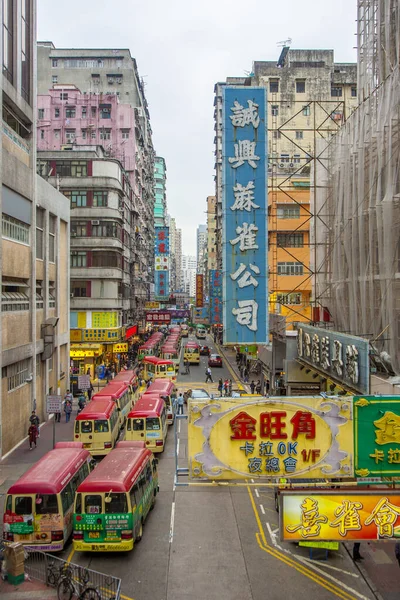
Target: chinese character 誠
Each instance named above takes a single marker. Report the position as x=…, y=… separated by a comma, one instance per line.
x=243, y=277
x=384, y=515
x=246, y=313
x=310, y=519
x=387, y=429
x=244, y=197
x=246, y=237
x=244, y=152
x=347, y=517
x=245, y=116
x=243, y=427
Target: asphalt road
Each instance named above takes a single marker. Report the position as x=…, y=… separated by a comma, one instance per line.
x=219, y=543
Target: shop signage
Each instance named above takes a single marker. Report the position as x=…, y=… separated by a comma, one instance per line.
x=200, y=316
x=75, y=335
x=82, y=353
x=339, y=515
x=150, y=305
x=130, y=331
x=101, y=335
x=122, y=347
x=179, y=314
x=161, y=263
x=215, y=310
x=161, y=284
x=161, y=246
x=53, y=404
x=377, y=436
x=215, y=283
x=244, y=209
x=199, y=291
x=344, y=358
x=296, y=437
x=161, y=317
x=104, y=319
x=84, y=382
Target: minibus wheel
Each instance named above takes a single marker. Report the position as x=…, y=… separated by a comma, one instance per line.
x=140, y=534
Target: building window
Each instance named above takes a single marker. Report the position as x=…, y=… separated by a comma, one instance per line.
x=83, y=133
x=105, y=112
x=354, y=92
x=93, y=135
x=293, y=298
x=25, y=49
x=336, y=91
x=290, y=268
x=52, y=238
x=71, y=168
x=273, y=86
x=106, y=229
x=39, y=295
x=17, y=374
x=299, y=135
x=78, y=229
x=54, y=62
x=56, y=113
x=288, y=212
x=78, y=198
x=8, y=39
x=291, y=240
x=57, y=134
x=78, y=259
x=64, y=96
x=107, y=259
x=42, y=134
x=84, y=112
x=52, y=294
x=50, y=363
x=105, y=134
x=70, y=135
x=306, y=110
x=300, y=86
x=39, y=233
x=15, y=230
x=284, y=158
x=276, y=134
x=125, y=134
x=41, y=113
x=275, y=110
x=80, y=289
x=70, y=113
x=54, y=79
x=93, y=111
x=296, y=158
x=100, y=198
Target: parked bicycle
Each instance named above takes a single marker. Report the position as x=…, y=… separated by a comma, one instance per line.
x=75, y=587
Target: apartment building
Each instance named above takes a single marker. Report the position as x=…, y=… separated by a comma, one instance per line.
x=189, y=269
x=201, y=248
x=309, y=97
x=34, y=329
x=178, y=258
x=171, y=224
x=160, y=191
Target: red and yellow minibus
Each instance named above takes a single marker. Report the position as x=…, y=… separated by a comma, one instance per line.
x=131, y=379
x=167, y=391
x=119, y=392
x=147, y=422
x=113, y=503
x=154, y=368
x=184, y=330
x=191, y=353
x=39, y=505
x=97, y=426
x=171, y=352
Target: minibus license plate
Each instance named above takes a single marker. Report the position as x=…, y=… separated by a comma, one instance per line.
x=94, y=534
x=87, y=445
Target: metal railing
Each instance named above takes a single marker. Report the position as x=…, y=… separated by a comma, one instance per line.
x=51, y=570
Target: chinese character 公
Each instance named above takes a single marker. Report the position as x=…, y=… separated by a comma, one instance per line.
x=388, y=429
x=303, y=422
x=246, y=237
x=244, y=196
x=244, y=277
x=384, y=516
x=243, y=427
x=246, y=313
x=245, y=116
x=347, y=517
x=244, y=151
x=271, y=425
x=310, y=519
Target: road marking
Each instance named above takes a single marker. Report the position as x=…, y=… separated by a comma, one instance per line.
x=343, y=585
x=70, y=555
x=327, y=566
x=171, y=526
x=125, y=597
x=179, y=426
x=256, y=492
x=262, y=509
x=275, y=531
x=177, y=447
x=272, y=535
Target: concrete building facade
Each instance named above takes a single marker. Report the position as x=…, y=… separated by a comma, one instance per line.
x=189, y=269
x=35, y=245
x=201, y=248
x=160, y=191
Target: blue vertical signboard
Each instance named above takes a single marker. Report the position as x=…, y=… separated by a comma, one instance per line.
x=244, y=213
x=215, y=289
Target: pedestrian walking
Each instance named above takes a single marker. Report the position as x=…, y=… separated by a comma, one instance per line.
x=187, y=365
x=258, y=387
x=356, y=551
x=220, y=386
x=90, y=392
x=252, y=387
x=181, y=402
x=34, y=420
x=148, y=384
x=81, y=402
x=266, y=387
x=226, y=387
x=397, y=552
x=57, y=416
x=246, y=375
x=67, y=410
x=230, y=387
x=208, y=375
x=33, y=434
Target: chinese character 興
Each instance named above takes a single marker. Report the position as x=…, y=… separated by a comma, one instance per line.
x=244, y=152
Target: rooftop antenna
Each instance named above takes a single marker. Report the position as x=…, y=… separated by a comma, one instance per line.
x=285, y=45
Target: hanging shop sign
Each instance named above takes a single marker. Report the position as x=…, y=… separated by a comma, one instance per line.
x=131, y=331
x=161, y=284
x=215, y=310
x=296, y=437
x=123, y=347
x=339, y=515
x=244, y=209
x=150, y=305
x=344, y=358
x=377, y=436
x=199, y=291
x=200, y=316
x=159, y=317
x=161, y=245
x=215, y=283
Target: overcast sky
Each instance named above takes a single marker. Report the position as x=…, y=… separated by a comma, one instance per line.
x=182, y=48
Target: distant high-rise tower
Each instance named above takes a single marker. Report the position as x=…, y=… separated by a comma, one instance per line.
x=201, y=247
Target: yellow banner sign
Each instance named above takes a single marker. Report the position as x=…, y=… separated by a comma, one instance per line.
x=152, y=305
x=341, y=516
x=292, y=437
x=75, y=335
x=123, y=347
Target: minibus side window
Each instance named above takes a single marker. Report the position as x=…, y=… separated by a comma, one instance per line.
x=67, y=497
x=86, y=426
x=138, y=424
x=152, y=424
x=46, y=504
x=128, y=425
x=148, y=472
x=23, y=505
x=116, y=503
x=133, y=497
x=138, y=492
x=92, y=504
x=78, y=504
x=154, y=463
x=76, y=426
x=101, y=426
x=9, y=504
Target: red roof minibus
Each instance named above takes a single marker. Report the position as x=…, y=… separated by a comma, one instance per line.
x=119, y=392
x=147, y=422
x=97, y=426
x=167, y=391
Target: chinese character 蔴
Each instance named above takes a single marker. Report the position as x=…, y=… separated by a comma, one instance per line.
x=337, y=361
x=325, y=364
x=303, y=422
x=384, y=516
x=388, y=429
x=244, y=151
x=255, y=465
x=290, y=464
x=315, y=349
x=310, y=519
x=394, y=456
x=243, y=427
x=272, y=426
x=245, y=278
x=265, y=449
x=300, y=343
x=246, y=237
x=248, y=448
x=246, y=313
x=347, y=517
x=161, y=235
x=378, y=456
x=245, y=116
x=351, y=367
x=244, y=196
x=307, y=345
x=272, y=465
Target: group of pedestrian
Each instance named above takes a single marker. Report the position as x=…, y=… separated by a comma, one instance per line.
x=225, y=387
x=255, y=387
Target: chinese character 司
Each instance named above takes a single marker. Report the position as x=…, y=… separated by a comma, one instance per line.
x=384, y=515
x=310, y=519
x=347, y=517
x=246, y=314
x=243, y=427
x=244, y=152
x=245, y=116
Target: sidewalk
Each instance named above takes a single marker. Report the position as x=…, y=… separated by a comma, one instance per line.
x=28, y=589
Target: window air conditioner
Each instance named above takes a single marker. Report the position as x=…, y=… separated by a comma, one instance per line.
x=95, y=222
x=291, y=165
x=282, y=165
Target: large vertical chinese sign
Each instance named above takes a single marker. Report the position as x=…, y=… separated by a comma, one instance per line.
x=215, y=291
x=377, y=436
x=161, y=252
x=199, y=291
x=244, y=140
x=297, y=437
x=340, y=515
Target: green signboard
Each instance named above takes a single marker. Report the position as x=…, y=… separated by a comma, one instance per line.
x=326, y=545
x=376, y=436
